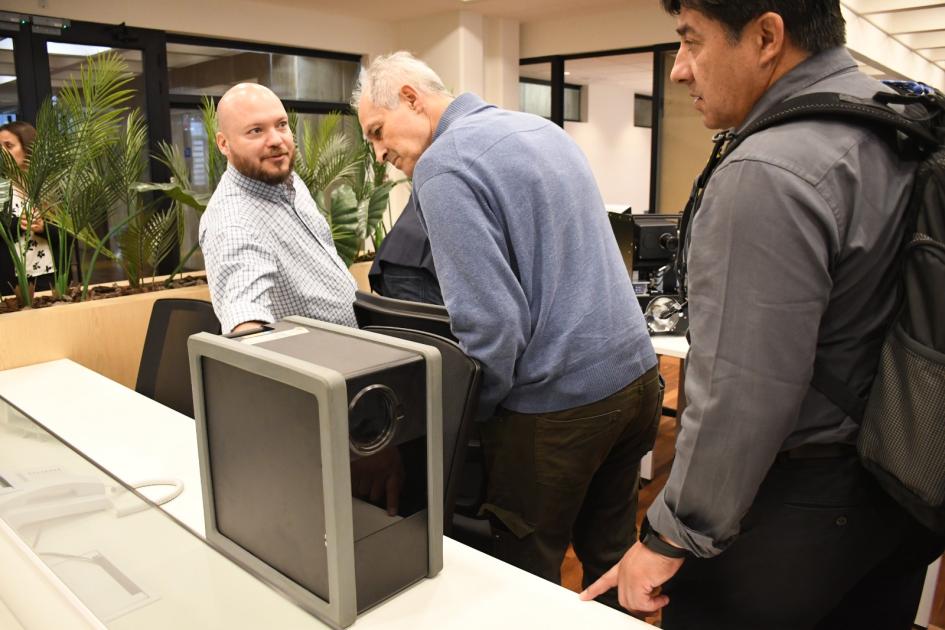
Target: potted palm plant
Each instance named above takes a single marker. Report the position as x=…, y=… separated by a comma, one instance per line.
x=89, y=150
x=350, y=188
x=80, y=174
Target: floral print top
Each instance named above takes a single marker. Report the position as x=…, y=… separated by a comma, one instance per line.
x=39, y=259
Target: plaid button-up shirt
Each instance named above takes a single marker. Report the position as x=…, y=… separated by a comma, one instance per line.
x=269, y=254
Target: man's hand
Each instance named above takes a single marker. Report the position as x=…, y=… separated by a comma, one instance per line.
x=638, y=577
x=247, y=326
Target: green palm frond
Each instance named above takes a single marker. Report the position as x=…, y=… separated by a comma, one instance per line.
x=160, y=236
x=216, y=161
x=371, y=209
x=342, y=216
x=173, y=158
x=147, y=240
x=126, y=157
x=179, y=190
x=91, y=105
x=51, y=154
x=132, y=258
x=327, y=156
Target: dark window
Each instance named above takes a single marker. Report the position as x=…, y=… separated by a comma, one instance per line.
x=642, y=110
x=9, y=101
x=535, y=98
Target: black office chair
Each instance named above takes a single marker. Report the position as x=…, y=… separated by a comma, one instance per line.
x=462, y=378
x=164, y=372
x=371, y=309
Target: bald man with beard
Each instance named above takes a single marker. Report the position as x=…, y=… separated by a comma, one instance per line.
x=268, y=250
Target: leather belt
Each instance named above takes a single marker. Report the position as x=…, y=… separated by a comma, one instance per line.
x=818, y=451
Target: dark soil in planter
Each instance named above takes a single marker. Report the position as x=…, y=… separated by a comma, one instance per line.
x=10, y=305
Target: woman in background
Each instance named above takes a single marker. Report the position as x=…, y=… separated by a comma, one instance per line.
x=16, y=138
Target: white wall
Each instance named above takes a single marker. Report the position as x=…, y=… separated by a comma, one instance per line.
x=502, y=43
x=640, y=23
x=451, y=43
x=619, y=153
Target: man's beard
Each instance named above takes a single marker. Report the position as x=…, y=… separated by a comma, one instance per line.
x=253, y=169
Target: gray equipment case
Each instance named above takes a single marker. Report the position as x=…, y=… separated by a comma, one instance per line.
x=285, y=419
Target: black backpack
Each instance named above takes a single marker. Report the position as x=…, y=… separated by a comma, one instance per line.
x=902, y=420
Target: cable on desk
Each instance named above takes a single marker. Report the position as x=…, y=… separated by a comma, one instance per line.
x=178, y=488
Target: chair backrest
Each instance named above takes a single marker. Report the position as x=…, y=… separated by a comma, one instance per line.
x=164, y=372
x=462, y=378
x=376, y=310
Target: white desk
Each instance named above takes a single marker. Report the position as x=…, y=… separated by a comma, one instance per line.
x=670, y=346
x=135, y=439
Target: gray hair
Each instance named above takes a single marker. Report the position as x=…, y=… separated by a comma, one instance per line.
x=382, y=80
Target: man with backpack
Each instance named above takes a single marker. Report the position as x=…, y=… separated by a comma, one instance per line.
x=768, y=519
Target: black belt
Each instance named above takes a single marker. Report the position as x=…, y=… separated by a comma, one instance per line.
x=818, y=451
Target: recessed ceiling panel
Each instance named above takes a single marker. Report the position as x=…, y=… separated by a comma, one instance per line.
x=913, y=21
x=932, y=39
x=879, y=6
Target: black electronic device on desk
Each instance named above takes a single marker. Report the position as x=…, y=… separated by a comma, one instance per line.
x=320, y=451
x=648, y=245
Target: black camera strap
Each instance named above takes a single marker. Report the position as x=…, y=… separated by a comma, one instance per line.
x=721, y=139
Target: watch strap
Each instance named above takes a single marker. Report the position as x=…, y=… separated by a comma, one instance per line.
x=652, y=541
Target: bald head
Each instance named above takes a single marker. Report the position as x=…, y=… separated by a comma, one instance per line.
x=253, y=133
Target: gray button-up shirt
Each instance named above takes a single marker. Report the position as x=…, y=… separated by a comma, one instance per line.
x=269, y=254
x=791, y=262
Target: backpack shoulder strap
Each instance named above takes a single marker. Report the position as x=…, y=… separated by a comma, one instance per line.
x=825, y=105
x=918, y=130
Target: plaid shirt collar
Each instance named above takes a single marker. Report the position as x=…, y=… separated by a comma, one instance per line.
x=272, y=192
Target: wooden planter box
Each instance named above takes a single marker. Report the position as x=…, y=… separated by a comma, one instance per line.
x=105, y=335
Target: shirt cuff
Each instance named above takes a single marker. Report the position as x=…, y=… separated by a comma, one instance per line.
x=664, y=521
x=232, y=316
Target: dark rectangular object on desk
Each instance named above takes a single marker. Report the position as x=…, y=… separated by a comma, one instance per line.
x=654, y=236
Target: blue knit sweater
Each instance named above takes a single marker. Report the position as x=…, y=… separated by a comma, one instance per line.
x=529, y=267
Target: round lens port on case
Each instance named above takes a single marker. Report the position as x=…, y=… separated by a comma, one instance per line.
x=372, y=416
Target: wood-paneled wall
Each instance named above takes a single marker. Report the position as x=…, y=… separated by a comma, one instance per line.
x=104, y=335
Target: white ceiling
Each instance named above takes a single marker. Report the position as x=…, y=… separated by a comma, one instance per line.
x=918, y=24
x=387, y=10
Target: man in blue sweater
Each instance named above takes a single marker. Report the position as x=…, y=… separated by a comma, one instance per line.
x=537, y=293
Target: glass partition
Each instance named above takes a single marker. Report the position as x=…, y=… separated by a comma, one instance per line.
x=212, y=70
x=617, y=148
x=9, y=99
x=81, y=550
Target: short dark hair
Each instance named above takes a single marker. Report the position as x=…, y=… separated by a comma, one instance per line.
x=24, y=132
x=812, y=25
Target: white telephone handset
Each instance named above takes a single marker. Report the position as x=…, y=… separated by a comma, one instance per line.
x=41, y=495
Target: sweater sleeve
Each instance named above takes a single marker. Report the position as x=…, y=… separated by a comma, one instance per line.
x=489, y=313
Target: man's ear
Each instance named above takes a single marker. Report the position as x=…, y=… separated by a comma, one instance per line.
x=222, y=144
x=770, y=35
x=411, y=97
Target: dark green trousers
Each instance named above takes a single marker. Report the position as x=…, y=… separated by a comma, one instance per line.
x=569, y=477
